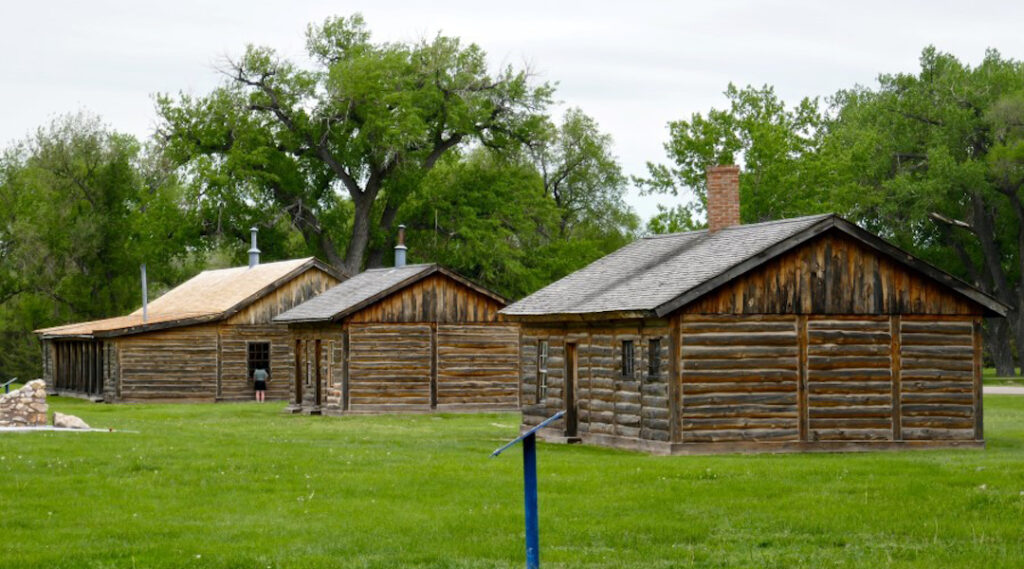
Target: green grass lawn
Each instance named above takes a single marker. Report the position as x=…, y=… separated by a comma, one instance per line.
x=989, y=377
x=245, y=486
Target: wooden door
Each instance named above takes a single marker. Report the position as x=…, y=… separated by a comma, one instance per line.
x=299, y=372
x=318, y=390
x=571, y=410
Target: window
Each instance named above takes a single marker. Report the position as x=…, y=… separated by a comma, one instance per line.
x=330, y=363
x=653, y=357
x=542, y=370
x=627, y=358
x=259, y=357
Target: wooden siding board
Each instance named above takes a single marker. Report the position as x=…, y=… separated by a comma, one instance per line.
x=849, y=393
x=832, y=274
x=437, y=298
x=389, y=363
x=725, y=399
x=934, y=389
x=171, y=364
x=289, y=295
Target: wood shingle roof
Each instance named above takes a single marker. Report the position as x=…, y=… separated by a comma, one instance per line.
x=366, y=288
x=206, y=297
x=656, y=275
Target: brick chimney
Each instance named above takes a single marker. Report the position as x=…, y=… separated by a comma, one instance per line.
x=723, y=197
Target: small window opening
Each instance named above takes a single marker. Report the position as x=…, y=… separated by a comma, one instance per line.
x=654, y=357
x=259, y=357
x=542, y=370
x=628, y=354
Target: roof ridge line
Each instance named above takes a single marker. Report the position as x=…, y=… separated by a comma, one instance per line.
x=747, y=225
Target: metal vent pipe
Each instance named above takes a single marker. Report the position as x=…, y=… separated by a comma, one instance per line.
x=254, y=252
x=400, y=249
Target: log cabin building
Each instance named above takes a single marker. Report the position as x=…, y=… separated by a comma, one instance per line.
x=806, y=334
x=200, y=341
x=412, y=338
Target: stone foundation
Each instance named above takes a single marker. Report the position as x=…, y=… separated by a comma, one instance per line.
x=25, y=407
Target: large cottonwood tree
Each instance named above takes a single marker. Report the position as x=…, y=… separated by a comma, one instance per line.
x=336, y=148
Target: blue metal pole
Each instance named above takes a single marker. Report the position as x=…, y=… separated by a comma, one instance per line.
x=530, y=496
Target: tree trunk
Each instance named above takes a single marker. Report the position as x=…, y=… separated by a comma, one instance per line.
x=378, y=254
x=996, y=334
x=984, y=228
x=360, y=234
x=330, y=251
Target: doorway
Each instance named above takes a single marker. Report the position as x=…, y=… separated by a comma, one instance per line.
x=571, y=406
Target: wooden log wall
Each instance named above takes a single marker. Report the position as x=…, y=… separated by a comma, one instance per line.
x=112, y=372
x=291, y=294
x=849, y=379
x=332, y=364
x=476, y=366
x=940, y=381
x=235, y=384
x=437, y=298
x=535, y=408
x=389, y=366
x=47, y=354
x=739, y=378
x=609, y=404
x=832, y=274
x=334, y=354
x=178, y=364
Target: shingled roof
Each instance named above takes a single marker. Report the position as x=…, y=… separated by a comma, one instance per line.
x=656, y=275
x=208, y=296
x=366, y=288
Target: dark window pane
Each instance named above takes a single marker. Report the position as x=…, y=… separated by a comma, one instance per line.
x=627, y=358
x=258, y=357
x=654, y=357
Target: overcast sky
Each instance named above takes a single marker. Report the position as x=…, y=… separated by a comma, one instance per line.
x=633, y=65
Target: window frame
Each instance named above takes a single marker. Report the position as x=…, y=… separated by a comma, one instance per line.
x=250, y=361
x=543, y=353
x=654, y=357
x=628, y=353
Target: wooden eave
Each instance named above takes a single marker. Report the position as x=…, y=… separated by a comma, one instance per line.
x=583, y=316
x=181, y=322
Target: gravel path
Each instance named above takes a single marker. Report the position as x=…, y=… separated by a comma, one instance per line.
x=1002, y=390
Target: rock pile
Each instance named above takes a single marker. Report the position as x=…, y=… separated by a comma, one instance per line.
x=62, y=421
x=25, y=407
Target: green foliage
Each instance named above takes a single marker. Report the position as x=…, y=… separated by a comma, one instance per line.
x=489, y=219
x=933, y=161
x=676, y=219
x=582, y=175
x=515, y=222
x=244, y=485
x=369, y=120
x=776, y=145
x=85, y=207
x=484, y=218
